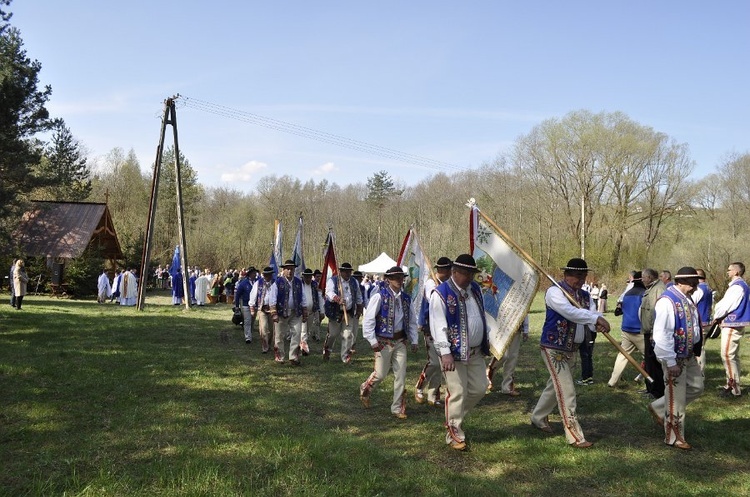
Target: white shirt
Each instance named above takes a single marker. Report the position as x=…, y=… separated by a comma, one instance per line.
x=256, y=289
x=273, y=294
x=557, y=301
x=439, y=324
x=368, y=323
x=664, y=324
x=730, y=301
x=347, y=297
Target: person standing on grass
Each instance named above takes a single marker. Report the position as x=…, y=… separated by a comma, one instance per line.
x=202, y=287
x=632, y=339
x=288, y=312
x=677, y=340
x=509, y=362
x=260, y=305
x=314, y=307
x=242, y=302
x=603, y=297
x=11, y=284
x=388, y=323
x=431, y=373
x=20, y=281
x=564, y=330
x=351, y=303
x=103, y=287
x=654, y=288
x=704, y=301
x=733, y=312
x=461, y=335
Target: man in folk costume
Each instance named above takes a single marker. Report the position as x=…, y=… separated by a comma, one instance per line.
x=388, y=323
x=461, y=335
x=288, y=312
x=129, y=293
x=431, y=373
x=654, y=288
x=733, y=311
x=260, y=305
x=202, y=287
x=314, y=329
x=313, y=306
x=677, y=340
x=703, y=298
x=509, y=362
x=104, y=288
x=242, y=302
x=335, y=307
x=562, y=333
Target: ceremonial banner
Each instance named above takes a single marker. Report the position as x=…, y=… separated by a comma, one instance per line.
x=330, y=266
x=276, y=250
x=507, y=278
x=297, y=256
x=413, y=258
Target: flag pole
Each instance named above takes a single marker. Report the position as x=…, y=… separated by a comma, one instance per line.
x=341, y=285
x=426, y=257
x=570, y=298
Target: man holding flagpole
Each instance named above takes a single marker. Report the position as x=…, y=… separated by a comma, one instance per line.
x=569, y=311
x=288, y=311
x=343, y=309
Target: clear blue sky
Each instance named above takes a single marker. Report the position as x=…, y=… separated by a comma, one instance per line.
x=457, y=82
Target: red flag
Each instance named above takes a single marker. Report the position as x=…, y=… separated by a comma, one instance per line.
x=330, y=267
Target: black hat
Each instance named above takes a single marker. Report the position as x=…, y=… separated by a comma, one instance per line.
x=289, y=263
x=443, y=262
x=686, y=273
x=637, y=276
x=252, y=269
x=317, y=272
x=307, y=272
x=395, y=271
x=465, y=261
x=268, y=270
x=576, y=264
x=357, y=274
x=345, y=267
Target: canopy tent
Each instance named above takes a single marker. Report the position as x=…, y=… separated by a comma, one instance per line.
x=380, y=264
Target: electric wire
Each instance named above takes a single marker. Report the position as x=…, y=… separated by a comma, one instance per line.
x=313, y=134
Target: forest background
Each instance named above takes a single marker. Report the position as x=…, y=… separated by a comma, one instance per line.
x=594, y=182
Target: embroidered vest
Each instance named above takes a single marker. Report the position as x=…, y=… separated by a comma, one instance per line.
x=282, y=298
x=557, y=332
x=685, y=327
x=261, y=295
x=332, y=309
x=457, y=319
x=705, y=303
x=741, y=315
x=386, y=318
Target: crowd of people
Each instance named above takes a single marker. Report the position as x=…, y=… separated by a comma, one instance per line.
x=663, y=317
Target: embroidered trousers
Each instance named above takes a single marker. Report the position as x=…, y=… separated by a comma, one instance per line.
x=630, y=342
x=288, y=326
x=431, y=373
x=560, y=391
x=392, y=356
x=730, y=356
x=678, y=393
x=465, y=388
x=346, y=331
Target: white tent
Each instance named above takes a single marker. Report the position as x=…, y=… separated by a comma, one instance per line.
x=380, y=264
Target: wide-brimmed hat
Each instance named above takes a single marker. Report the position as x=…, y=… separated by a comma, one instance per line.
x=686, y=272
x=317, y=272
x=268, y=270
x=289, y=263
x=307, y=272
x=394, y=272
x=443, y=262
x=346, y=267
x=357, y=274
x=576, y=264
x=252, y=269
x=465, y=261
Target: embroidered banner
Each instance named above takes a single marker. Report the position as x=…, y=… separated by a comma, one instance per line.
x=413, y=258
x=276, y=251
x=507, y=279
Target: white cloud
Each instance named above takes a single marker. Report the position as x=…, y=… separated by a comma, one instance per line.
x=245, y=173
x=328, y=167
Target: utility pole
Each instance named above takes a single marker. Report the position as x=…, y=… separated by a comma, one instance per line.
x=170, y=118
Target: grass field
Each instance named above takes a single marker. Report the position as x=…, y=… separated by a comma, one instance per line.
x=101, y=400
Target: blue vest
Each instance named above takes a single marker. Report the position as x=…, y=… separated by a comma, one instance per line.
x=282, y=297
x=559, y=333
x=631, y=303
x=705, y=303
x=741, y=315
x=386, y=318
x=457, y=319
x=242, y=293
x=332, y=309
x=262, y=288
x=684, y=324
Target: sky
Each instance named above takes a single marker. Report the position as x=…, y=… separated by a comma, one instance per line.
x=452, y=83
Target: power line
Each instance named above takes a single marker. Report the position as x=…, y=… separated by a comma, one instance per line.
x=313, y=134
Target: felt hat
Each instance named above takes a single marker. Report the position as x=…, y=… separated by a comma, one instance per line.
x=686, y=272
x=465, y=261
x=443, y=262
x=289, y=263
x=268, y=270
x=307, y=272
x=345, y=267
x=576, y=264
x=394, y=272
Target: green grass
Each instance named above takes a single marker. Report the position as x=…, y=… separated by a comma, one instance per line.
x=101, y=400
